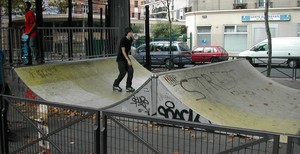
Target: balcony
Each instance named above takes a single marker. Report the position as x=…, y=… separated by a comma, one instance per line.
x=188, y=9
x=262, y=5
x=240, y=6
x=159, y=9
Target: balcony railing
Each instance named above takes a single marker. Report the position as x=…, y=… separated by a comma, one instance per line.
x=240, y=6
x=188, y=9
x=262, y=4
x=159, y=9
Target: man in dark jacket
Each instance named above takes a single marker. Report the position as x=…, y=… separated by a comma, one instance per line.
x=124, y=62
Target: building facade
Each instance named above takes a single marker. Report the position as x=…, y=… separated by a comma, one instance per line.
x=158, y=9
x=239, y=24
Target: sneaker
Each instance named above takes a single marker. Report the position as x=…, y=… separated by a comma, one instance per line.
x=117, y=88
x=130, y=89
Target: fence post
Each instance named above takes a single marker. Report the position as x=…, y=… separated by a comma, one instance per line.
x=1, y=127
x=289, y=145
x=98, y=135
x=4, y=138
x=103, y=134
x=294, y=73
x=154, y=94
x=276, y=144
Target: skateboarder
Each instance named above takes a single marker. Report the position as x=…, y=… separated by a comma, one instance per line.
x=124, y=62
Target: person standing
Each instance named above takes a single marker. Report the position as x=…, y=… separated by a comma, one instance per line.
x=124, y=62
x=30, y=30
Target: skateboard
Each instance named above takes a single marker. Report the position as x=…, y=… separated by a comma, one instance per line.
x=25, y=50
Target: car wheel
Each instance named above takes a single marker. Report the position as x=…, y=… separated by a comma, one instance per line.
x=250, y=60
x=169, y=63
x=214, y=60
x=292, y=63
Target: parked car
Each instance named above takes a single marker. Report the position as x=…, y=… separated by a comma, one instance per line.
x=285, y=50
x=161, y=54
x=209, y=54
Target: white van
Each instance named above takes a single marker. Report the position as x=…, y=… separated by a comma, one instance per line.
x=285, y=50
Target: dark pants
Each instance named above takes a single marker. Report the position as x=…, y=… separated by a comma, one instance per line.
x=123, y=69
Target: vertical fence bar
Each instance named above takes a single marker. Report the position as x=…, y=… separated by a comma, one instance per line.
x=98, y=134
x=276, y=144
x=4, y=127
x=104, y=135
x=1, y=126
x=289, y=145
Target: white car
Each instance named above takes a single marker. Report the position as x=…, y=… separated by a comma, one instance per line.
x=285, y=50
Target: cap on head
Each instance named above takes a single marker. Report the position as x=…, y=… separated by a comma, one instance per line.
x=127, y=30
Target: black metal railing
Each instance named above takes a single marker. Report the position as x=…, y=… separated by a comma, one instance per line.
x=280, y=65
x=129, y=133
x=33, y=126
x=63, y=43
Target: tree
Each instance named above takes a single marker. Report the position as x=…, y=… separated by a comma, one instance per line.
x=269, y=38
x=17, y=7
x=161, y=29
x=63, y=5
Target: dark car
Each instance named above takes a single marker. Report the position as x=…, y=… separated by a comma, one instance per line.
x=209, y=54
x=161, y=54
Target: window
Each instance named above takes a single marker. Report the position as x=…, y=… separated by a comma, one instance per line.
x=200, y=49
x=204, y=35
x=241, y=28
x=183, y=47
x=142, y=48
x=261, y=3
x=208, y=50
x=235, y=38
x=239, y=1
x=204, y=29
x=136, y=3
x=299, y=30
x=236, y=29
x=260, y=47
x=229, y=29
x=85, y=8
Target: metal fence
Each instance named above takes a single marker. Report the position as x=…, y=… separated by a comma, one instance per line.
x=127, y=133
x=63, y=43
x=278, y=70
x=32, y=126
x=293, y=145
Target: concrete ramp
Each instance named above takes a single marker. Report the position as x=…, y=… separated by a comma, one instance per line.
x=85, y=83
x=233, y=93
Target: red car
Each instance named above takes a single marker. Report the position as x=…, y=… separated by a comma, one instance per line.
x=209, y=54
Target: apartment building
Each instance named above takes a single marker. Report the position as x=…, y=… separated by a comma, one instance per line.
x=239, y=24
x=158, y=9
x=136, y=9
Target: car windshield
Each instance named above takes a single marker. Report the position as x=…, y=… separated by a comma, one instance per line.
x=141, y=48
x=183, y=47
x=223, y=50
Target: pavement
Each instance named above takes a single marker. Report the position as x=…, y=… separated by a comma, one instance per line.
x=231, y=93
x=288, y=82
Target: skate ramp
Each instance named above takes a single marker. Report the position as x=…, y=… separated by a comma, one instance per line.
x=85, y=83
x=233, y=93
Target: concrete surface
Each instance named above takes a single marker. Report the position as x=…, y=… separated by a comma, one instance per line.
x=234, y=93
x=230, y=93
x=83, y=83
